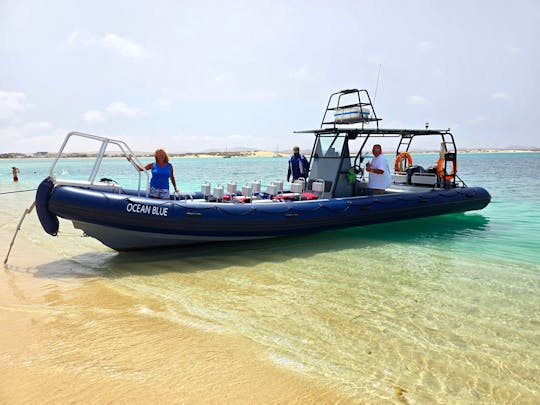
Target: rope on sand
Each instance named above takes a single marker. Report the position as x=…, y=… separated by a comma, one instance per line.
x=26, y=212
x=18, y=191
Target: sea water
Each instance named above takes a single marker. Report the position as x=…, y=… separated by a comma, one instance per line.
x=442, y=309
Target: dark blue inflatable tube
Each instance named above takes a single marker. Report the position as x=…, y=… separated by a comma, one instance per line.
x=48, y=220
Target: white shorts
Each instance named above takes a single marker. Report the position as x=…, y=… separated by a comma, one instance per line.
x=162, y=193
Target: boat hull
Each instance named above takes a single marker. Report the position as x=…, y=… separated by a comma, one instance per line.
x=127, y=222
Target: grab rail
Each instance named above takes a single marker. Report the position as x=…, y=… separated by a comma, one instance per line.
x=124, y=148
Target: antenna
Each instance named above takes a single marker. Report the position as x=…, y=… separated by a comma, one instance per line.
x=377, y=85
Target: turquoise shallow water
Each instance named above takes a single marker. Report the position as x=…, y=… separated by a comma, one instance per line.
x=441, y=309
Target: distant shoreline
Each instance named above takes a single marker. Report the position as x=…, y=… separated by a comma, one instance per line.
x=47, y=155
x=251, y=153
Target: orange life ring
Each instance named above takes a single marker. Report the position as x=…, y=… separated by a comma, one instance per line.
x=399, y=165
x=440, y=170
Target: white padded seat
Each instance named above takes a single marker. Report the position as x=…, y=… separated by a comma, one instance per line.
x=424, y=179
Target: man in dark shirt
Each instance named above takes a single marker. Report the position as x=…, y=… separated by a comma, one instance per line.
x=298, y=165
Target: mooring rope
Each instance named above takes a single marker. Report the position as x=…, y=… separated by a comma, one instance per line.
x=26, y=212
x=18, y=191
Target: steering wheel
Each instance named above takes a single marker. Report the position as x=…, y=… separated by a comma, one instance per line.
x=358, y=170
x=353, y=173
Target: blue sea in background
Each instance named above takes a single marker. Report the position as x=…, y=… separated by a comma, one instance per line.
x=435, y=310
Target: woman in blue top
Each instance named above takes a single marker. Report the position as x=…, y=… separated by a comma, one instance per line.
x=162, y=171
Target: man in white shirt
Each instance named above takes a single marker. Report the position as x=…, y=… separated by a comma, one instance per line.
x=379, y=171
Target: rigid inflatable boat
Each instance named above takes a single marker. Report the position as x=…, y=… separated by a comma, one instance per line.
x=333, y=195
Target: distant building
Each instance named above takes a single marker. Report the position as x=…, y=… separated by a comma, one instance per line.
x=12, y=155
x=41, y=154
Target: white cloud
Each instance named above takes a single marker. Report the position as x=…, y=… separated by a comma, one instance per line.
x=37, y=126
x=240, y=137
x=480, y=119
x=94, y=116
x=499, y=96
x=437, y=72
x=417, y=100
x=262, y=94
x=28, y=144
x=424, y=46
x=114, y=42
x=163, y=104
x=301, y=73
x=120, y=108
x=30, y=136
x=124, y=46
x=12, y=103
x=218, y=79
x=28, y=128
x=81, y=38
x=116, y=109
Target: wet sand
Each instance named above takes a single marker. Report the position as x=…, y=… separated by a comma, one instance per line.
x=75, y=340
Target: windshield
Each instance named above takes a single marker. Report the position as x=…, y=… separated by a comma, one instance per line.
x=329, y=146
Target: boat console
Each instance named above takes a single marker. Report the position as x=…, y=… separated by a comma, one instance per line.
x=345, y=127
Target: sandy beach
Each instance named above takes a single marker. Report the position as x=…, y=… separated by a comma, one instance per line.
x=254, y=153
x=68, y=339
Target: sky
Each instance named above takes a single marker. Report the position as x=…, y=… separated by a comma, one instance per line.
x=192, y=76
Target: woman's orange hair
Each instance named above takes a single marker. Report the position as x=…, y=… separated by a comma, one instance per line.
x=164, y=151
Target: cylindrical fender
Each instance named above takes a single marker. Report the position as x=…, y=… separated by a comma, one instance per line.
x=48, y=220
